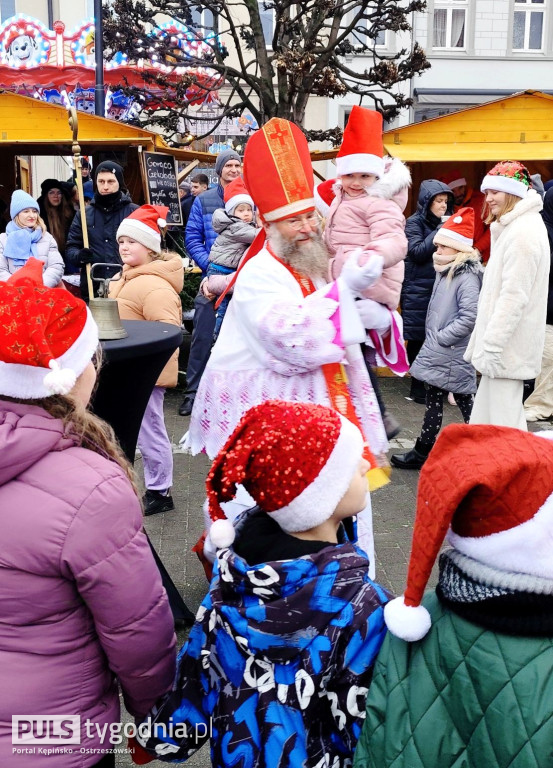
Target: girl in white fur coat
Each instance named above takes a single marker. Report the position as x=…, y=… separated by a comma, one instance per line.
x=507, y=342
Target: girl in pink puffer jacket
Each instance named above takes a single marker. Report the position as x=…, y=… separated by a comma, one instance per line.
x=367, y=211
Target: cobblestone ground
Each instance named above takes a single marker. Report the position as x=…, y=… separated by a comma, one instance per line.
x=175, y=532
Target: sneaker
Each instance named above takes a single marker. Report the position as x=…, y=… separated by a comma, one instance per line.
x=156, y=502
x=186, y=405
x=391, y=425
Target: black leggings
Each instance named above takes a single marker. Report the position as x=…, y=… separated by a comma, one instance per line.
x=432, y=422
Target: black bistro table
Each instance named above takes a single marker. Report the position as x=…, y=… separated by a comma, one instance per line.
x=128, y=375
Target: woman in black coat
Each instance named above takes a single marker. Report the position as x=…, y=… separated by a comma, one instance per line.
x=435, y=201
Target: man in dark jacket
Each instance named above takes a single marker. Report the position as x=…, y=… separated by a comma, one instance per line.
x=111, y=204
x=198, y=184
x=435, y=201
x=200, y=236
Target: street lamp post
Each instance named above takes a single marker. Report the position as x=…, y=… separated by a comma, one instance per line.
x=99, y=94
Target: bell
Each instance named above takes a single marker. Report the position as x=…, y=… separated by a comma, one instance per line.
x=106, y=314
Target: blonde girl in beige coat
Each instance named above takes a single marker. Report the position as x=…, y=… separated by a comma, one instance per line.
x=149, y=289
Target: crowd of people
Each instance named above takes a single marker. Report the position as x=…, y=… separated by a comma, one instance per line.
x=298, y=657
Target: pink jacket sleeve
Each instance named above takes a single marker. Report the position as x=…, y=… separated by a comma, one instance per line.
x=108, y=556
x=216, y=284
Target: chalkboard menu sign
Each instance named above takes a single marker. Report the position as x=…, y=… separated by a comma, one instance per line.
x=162, y=186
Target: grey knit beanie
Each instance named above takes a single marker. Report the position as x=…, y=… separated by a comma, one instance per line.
x=223, y=159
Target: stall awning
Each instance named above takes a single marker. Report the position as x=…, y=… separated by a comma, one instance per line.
x=40, y=128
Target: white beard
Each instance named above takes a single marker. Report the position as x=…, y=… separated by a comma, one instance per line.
x=310, y=259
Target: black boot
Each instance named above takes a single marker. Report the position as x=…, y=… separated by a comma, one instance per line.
x=187, y=405
x=413, y=459
x=156, y=502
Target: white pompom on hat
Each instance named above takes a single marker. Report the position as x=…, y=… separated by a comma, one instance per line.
x=489, y=491
x=144, y=225
x=296, y=460
x=47, y=336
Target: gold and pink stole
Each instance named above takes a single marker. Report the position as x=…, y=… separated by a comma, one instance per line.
x=337, y=386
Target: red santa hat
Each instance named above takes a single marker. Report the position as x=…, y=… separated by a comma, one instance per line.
x=144, y=224
x=509, y=176
x=296, y=460
x=278, y=171
x=362, y=150
x=454, y=178
x=235, y=194
x=324, y=195
x=489, y=491
x=458, y=231
x=47, y=336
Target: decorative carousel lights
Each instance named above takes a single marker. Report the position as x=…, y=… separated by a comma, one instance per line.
x=65, y=64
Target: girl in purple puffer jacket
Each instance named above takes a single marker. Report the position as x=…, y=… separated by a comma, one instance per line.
x=82, y=607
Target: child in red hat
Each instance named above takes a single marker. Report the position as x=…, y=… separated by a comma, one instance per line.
x=149, y=289
x=464, y=675
x=366, y=216
x=278, y=663
x=237, y=229
x=449, y=322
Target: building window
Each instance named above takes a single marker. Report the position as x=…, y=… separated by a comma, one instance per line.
x=202, y=18
x=362, y=38
x=7, y=9
x=528, y=25
x=267, y=18
x=450, y=18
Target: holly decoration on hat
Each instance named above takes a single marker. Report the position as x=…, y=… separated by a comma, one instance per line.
x=512, y=169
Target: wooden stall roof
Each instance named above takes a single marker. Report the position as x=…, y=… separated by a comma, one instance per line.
x=40, y=128
x=518, y=126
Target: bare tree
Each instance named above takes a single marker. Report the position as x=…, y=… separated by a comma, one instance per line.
x=312, y=53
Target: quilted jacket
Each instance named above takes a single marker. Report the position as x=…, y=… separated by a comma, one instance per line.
x=463, y=697
x=420, y=229
x=449, y=323
x=200, y=234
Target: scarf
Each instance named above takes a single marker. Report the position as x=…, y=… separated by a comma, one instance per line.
x=21, y=243
x=501, y=601
x=443, y=262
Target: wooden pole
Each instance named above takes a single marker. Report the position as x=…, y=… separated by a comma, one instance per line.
x=185, y=171
x=74, y=125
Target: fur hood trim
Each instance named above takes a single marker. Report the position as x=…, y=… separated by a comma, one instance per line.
x=466, y=262
x=397, y=177
x=532, y=203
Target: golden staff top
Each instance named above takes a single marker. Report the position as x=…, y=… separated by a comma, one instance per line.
x=74, y=125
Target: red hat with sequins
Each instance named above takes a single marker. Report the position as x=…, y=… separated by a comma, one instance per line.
x=47, y=336
x=296, y=460
x=489, y=491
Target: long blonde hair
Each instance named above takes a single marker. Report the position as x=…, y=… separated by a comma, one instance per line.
x=85, y=428
x=508, y=205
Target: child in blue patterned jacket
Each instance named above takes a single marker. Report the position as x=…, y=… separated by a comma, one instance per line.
x=278, y=663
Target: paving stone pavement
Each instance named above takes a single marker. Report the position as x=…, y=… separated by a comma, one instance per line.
x=174, y=533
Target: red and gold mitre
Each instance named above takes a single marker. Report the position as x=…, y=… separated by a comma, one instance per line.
x=278, y=171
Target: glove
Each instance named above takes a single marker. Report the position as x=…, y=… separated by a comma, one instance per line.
x=358, y=278
x=86, y=256
x=374, y=316
x=494, y=364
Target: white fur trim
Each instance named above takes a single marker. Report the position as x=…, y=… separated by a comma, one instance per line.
x=317, y=502
x=300, y=206
x=320, y=205
x=222, y=533
x=360, y=163
x=526, y=548
x=451, y=234
x=140, y=232
x=397, y=176
x=460, y=182
x=27, y=381
x=238, y=200
x=504, y=184
x=407, y=622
